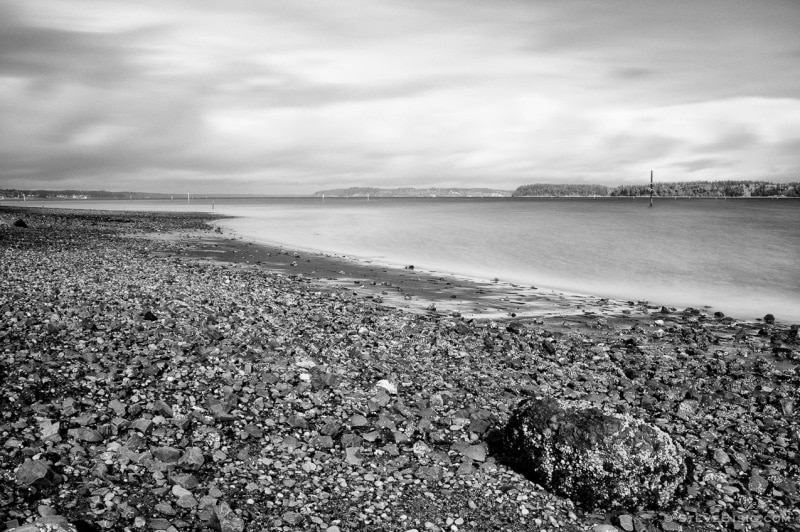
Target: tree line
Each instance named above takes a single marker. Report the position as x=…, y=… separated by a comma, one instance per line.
x=694, y=189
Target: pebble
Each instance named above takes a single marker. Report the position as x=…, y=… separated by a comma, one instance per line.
x=330, y=412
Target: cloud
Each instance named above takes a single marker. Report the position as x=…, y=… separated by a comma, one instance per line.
x=291, y=97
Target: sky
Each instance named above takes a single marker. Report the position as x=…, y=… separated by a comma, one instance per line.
x=292, y=97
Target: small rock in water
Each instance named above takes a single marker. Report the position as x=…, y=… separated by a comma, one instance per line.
x=769, y=319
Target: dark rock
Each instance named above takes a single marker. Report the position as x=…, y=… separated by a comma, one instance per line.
x=549, y=347
x=82, y=525
x=598, y=460
x=168, y=455
x=149, y=316
x=37, y=473
x=162, y=408
x=769, y=319
x=20, y=223
x=515, y=327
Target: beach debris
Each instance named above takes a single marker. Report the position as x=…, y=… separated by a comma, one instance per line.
x=19, y=222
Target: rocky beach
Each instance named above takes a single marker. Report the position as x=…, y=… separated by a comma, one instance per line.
x=156, y=374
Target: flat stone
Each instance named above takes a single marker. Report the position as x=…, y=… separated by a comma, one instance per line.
x=721, y=457
x=36, y=472
x=118, y=407
x=168, y=455
x=86, y=434
x=192, y=458
x=626, y=522
x=158, y=523
x=475, y=452
x=49, y=431
x=298, y=422
x=357, y=420
x=165, y=508
x=145, y=426
x=186, y=501
x=187, y=481
x=352, y=456
x=292, y=518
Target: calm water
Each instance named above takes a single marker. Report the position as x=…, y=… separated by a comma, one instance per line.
x=738, y=256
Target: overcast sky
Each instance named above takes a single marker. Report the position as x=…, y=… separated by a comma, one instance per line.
x=277, y=97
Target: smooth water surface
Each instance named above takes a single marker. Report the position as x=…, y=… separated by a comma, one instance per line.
x=738, y=256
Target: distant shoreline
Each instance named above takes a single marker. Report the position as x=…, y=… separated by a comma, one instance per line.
x=659, y=189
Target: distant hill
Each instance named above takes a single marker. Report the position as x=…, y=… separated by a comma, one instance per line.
x=409, y=192
x=692, y=189
x=712, y=189
x=552, y=189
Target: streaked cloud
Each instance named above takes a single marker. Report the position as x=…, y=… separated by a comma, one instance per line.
x=290, y=97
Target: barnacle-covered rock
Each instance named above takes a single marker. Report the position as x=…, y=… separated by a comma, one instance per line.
x=597, y=459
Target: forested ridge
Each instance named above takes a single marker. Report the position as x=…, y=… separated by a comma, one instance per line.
x=694, y=189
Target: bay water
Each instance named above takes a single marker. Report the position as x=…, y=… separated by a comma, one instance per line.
x=740, y=257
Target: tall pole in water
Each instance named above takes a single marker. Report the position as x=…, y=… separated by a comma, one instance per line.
x=651, y=188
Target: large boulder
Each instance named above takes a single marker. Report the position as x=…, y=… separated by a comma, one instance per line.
x=598, y=459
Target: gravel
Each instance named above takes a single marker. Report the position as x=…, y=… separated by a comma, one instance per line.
x=142, y=389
